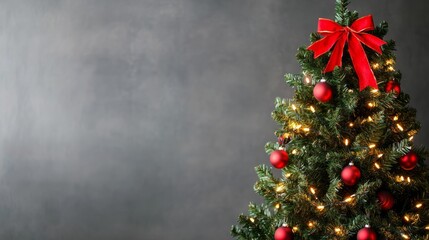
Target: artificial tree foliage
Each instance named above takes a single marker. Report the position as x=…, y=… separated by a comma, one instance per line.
x=372, y=128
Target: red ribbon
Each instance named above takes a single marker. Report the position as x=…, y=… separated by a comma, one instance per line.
x=335, y=34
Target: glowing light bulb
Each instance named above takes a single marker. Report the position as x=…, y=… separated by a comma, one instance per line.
x=351, y=124
x=320, y=207
x=375, y=66
x=377, y=165
x=371, y=104
x=399, y=127
x=294, y=107
x=312, y=109
x=407, y=218
x=372, y=145
x=380, y=155
x=312, y=190
x=395, y=118
x=346, y=142
x=419, y=205
x=405, y=236
x=252, y=220
x=277, y=205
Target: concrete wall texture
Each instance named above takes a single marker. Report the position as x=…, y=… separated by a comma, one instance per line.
x=144, y=119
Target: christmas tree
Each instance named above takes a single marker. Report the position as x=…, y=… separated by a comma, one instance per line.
x=349, y=168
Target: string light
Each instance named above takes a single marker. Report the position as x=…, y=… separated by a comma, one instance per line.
x=295, y=229
x=277, y=205
x=408, y=179
x=252, y=220
x=399, y=127
x=307, y=79
x=371, y=104
x=288, y=175
x=351, y=124
x=419, y=205
x=395, y=118
x=294, y=152
x=390, y=62
x=306, y=129
x=370, y=119
x=312, y=109
x=377, y=165
x=427, y=227
x=310, y=224
x=374, y=90
x=390, y=68
x=280, y=187
x=380, y=155
x=346, y=142
x=405, y=236
x=411, y=138
x=372, y=145
x=375, y=65
x=407, y=218
x=312, y=190
x=349, y=199
x=350, y=90
x=320, y=207
x=294, y=107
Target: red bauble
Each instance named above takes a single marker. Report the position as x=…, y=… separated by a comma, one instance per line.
x=350, y=175
x=367, y=233
x=279, y=158
x=323, y=92
x=409, y=161
x=283, y=233
x=393, y=86
x=385, y=200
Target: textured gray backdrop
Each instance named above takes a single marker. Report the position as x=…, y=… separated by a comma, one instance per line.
x=127, y=119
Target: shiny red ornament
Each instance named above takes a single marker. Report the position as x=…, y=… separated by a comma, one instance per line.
x=279, y=158
x=350, y=175
x=409, y=162
x=366, y=233
x=283, y=233
x=323, y=92
x=393, y=86
x=336, y=36
x=386, y=200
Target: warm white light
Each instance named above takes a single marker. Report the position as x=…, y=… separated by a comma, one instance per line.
x=372, y=145
x=277, y=205
x=375, y=65
x=405, y=236
x=293, y=107
x=320, y=207
x=346, y=142
x=419, y=205
x=312, y=109
x=400, y=127
x=252, y=220
x=351, y=124
x=377, y=165
x=395, y=118
x=312, y=190
x=306, y=129
x=380, y=155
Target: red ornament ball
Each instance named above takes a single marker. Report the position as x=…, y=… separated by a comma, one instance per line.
x=350, y=175
x=393, y=86
x=386, y=200
x=367, y=233
x=279, y=159
x=409, y=162
x=323, y=92
x=283, y=233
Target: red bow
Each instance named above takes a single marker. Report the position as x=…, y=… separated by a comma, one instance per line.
x=335, y=34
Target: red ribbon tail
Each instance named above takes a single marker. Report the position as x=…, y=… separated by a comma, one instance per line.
x=361, y=64
x=336, y=58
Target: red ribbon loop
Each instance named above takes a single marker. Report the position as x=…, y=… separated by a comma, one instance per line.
x=336, y=36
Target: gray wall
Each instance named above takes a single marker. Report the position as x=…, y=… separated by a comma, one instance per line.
x=144, y=119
